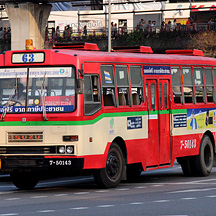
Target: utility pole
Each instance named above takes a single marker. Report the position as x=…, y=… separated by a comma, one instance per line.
x=109, y=27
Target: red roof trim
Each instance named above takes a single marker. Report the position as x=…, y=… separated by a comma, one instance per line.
x=193, y=52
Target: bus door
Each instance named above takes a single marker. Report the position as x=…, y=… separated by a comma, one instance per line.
x=153, y=124
x=164, y=122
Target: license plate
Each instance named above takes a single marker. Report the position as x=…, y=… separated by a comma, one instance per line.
x=60, y=162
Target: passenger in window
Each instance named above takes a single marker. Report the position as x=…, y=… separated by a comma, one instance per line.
x=19, y=96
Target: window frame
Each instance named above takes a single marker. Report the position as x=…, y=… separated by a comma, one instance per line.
x=106, y=86
x=92, y=102
x=123, y=86
x=180, y=85
x=208, y=85
x=136, y=85
x=189, y=85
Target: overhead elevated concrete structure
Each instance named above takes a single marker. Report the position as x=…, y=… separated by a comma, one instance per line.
x=33, y=1
x=28, y=21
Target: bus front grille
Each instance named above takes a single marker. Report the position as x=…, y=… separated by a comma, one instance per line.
x=22, y=150
x=17, y=137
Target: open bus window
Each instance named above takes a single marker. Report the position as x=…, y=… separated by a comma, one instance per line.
x=92, y=97
x=123, y=96
x=199, y=85
x=209, y=84
x=137, y=95
x=122, y=85
x=136, y=85
x=176, y=85
x=108, y=85
x=188, y=85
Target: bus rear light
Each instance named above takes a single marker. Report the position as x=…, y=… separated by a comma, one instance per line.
x=71, y=138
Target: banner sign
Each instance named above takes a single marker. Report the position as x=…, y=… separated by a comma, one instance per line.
x=156, y=70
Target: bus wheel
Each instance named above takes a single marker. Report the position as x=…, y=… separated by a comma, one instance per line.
x=111, y=176
x=204, y=161
x=24, y=180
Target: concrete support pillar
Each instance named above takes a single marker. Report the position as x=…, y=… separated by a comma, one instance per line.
x=28, y=21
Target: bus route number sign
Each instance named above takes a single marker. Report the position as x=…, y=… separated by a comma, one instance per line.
x=23, y=58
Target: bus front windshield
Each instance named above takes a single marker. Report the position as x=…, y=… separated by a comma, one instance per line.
x=34, y=89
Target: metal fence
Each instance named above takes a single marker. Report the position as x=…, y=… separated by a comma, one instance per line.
x=74, y=33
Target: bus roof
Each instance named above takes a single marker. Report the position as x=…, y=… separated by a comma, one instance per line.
x=69, y=56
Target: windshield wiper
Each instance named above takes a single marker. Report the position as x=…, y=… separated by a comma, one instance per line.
x=43, y=99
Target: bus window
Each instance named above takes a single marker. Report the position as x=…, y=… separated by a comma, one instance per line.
x=153, y=96
x=160, y=92
x=209, y=84
x=188, y=85
x=91, y=94
x=165, y=96
x=13, y=92
x=42, y=88
x=108, y=85
x=199, y=85
x=136, y=84
x=176, y=85
x=147, y=94
x=122, y=85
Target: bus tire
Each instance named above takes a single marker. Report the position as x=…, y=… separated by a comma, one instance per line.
x=24, y=180
x=111, y=175
x=187, y=166
x=204, y=161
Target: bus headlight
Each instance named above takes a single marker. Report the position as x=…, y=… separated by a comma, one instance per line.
x=61, y=149
x=70, y=149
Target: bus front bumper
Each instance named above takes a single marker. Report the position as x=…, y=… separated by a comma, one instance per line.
x=21, y=163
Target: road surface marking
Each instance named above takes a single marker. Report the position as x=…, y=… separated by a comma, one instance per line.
x=38, y=197
x=59, y=195
x=10, y=199
x=136, y=203
x=140, y=187
x=212, y=196
x=161, y=201
x=123, y=189
x=188, y=198
x=81, y=193
x=102, y=191
x=46, y=211
x=9, y=214
x=105, y=206
x=192, y=190
x=79, y=208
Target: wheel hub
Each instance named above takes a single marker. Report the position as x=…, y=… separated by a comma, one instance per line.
x=112, y=165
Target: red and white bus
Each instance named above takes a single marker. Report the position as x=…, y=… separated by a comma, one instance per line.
x=114, y=114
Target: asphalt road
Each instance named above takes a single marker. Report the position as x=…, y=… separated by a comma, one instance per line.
x=163, y=192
